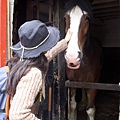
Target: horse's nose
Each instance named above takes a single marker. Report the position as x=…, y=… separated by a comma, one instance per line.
x=73, y=60
x=73, y=57
x=72, y=64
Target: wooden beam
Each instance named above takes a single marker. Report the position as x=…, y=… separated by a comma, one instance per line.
x=108, y=10
x=110, y=17
x=103, y=1
x=107, y=14
x=50, y=10
x=109, y=5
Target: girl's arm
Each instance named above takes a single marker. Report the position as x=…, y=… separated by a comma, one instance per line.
x=59, y=47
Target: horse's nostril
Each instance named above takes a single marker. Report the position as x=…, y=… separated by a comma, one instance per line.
x=71, y=64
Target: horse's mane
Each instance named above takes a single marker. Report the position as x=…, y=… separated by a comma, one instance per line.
x=83, y=4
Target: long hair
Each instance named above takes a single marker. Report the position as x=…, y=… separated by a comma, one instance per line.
x=20, y=68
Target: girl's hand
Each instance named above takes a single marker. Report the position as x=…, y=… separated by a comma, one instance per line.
x=68, y=35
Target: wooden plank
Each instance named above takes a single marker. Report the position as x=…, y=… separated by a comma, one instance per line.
x=50, y=10
x=107, y=14
x=106, y=10
x=95, y=7
x=110, y=17
x=103, y=1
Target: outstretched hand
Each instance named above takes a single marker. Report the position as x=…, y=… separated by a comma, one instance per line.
x=68, y=35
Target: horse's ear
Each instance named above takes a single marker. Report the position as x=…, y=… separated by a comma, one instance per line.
x=91, y=1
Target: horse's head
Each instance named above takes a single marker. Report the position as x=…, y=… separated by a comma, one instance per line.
x=78, y=22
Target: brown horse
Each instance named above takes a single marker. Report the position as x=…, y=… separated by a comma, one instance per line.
x=83, y=56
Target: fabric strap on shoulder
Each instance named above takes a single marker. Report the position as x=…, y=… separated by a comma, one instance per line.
x=7, y=69
x=7, y=107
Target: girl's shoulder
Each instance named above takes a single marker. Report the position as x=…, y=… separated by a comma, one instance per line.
x=33, y=74
x=34, y=71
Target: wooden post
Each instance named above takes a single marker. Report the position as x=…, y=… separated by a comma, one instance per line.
x=3, y=29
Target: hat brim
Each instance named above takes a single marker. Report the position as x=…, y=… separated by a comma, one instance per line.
x=47, y=45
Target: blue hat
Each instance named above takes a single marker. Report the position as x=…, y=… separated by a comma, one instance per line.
x=35, y=37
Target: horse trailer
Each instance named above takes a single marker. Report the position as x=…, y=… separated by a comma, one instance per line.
x=104, y=26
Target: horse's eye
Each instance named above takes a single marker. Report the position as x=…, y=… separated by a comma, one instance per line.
x=87, y=17
x=64, y=19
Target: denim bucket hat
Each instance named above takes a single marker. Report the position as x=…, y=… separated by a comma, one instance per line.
x=35, y=37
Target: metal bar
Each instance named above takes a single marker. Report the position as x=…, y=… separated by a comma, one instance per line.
x=100, y=86
x=50, y=103
x=55, y=64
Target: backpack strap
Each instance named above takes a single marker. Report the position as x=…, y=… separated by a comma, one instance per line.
x=2, y=91
x=7, y=107
x=7, y=69
x=39, y=96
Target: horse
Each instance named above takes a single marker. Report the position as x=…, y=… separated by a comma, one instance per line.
x=83, y=56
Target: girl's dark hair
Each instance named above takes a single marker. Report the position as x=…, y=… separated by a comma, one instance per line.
x=20, y=68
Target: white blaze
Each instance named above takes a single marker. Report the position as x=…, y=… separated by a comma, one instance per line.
x=75, y=18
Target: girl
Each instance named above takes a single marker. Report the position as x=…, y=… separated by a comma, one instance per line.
x=36, y=48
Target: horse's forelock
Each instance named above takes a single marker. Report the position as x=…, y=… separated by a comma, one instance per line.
x=83, y=4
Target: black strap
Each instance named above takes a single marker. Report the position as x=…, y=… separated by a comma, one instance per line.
x=2, y=91
x=2, y=110
x=37, y=97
